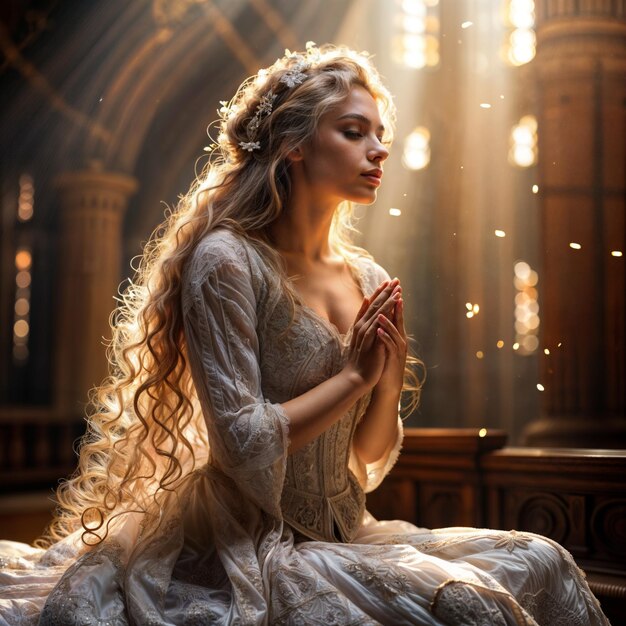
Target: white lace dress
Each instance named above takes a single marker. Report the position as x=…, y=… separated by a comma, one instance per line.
x=255, y=536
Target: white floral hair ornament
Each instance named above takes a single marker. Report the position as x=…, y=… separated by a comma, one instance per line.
x=293, y=77
x=263, y=109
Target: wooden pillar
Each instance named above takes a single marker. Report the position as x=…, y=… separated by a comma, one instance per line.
x=581, y=72
x=92, y=203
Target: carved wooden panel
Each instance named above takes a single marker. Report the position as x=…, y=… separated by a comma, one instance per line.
x=395, y=501
x=608, y=529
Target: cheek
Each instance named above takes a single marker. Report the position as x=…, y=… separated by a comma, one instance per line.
x=337, y=160
x=332, y=163
x=344, y=156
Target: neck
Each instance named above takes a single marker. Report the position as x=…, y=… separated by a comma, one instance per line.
x=304, y=226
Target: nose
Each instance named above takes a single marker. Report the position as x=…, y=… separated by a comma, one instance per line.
x=378, y=153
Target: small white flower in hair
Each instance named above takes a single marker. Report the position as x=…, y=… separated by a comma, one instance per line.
x=224, y=110
x=313, y=52
x=250, y=145
x=292, y=78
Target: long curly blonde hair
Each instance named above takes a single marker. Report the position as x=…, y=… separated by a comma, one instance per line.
x=145, y=429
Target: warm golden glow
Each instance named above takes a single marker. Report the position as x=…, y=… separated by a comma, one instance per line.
x=522, y=42
x=540, y=387
x=546, y=351
x=532, y=322
x=416, y=154
x=480, y=354
x=500, y=344
x=22, y=307
x=523, y=142
x=522, y=46
x=20, y=328
x=499, y=233
x=530, y=343
x=395, y=212
x=535, y=188
x=527, y=320
x=414, y=24
x=22, y=279
x=616, y=253
x=23, y=259
x=482, y=432
x=416, y=44
x=575, y=246
x=414, y=7
x=25, y=199
x=522, y=13
x=522, y=270
x=472, y=309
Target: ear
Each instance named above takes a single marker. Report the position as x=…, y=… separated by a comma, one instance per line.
x=295, y=155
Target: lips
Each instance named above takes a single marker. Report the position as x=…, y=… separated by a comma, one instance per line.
x=373, y=176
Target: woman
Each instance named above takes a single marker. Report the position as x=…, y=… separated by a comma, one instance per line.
x=257, y=370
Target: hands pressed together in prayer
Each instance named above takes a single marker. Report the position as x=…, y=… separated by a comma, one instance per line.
x=378, y=347
x=378, y=354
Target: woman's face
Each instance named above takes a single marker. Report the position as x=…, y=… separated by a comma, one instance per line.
x=344, y=160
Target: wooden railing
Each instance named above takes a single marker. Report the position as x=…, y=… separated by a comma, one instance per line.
x=455, y=477
x=36, y=448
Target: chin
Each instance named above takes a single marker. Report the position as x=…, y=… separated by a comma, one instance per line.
x=370, y=199
x=362, y=198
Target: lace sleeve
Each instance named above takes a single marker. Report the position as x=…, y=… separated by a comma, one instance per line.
x=248, y=436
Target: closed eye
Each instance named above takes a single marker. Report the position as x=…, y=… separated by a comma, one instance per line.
x=353, y=134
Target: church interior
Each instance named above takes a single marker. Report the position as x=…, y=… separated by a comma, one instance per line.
x=503, y=214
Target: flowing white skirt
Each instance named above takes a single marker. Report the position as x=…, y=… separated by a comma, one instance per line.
x=393, y=573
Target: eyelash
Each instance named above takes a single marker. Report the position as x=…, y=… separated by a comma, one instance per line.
x=353, y=134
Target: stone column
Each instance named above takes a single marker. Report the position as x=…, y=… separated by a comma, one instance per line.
x=92, y=204
x=581, y=71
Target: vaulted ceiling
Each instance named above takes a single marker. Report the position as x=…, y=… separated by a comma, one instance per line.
x=134, y=85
